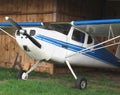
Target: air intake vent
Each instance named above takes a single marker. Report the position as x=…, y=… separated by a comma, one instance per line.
x=26, y=48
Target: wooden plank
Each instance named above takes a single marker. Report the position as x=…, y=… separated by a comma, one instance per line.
x=48, y=5
x=35, y=6
x=12, y=50
x=46, y=67
x=4, y=49
x=22, y=10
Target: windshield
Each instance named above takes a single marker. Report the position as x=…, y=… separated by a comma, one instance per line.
x=62, y=28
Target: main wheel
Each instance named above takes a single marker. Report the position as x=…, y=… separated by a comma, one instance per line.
x=21, y=74
x=81, y=83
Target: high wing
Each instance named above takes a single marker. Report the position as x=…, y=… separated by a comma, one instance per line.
x=96, y=27
x=109, y=27
x=99, y=27
x=103, y=28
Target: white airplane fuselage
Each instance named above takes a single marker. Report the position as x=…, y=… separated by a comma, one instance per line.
x=56, y=46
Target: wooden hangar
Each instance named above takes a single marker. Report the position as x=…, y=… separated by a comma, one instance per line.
x=48, y=11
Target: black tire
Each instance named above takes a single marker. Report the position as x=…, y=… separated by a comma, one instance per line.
x=19, y=74
x=81, y=83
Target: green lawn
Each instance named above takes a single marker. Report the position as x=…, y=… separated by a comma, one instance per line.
x=58, y=84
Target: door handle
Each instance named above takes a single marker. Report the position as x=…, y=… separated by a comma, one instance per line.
x=64, y=46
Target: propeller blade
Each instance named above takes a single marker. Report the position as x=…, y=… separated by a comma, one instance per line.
x=23, y=32
x=33, y=40
x=14, y=24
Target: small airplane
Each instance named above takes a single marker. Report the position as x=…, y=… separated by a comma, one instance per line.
x=70, y=43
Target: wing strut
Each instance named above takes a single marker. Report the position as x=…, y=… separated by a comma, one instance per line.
x=118, y=51
x=117, y=43
x=80, y=82
x=91, y=47
x=110, y=33
x=7, y=33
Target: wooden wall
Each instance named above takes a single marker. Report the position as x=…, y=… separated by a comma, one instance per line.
x=79, y=9
x=23, y=10
x=27, y=10
x=112, y=9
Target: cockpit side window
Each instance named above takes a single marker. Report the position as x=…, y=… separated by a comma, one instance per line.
x=78, y=36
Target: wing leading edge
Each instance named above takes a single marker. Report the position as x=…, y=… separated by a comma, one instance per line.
x=24, y=24
x=99, y=27
x=96, y=27
x=94, y=22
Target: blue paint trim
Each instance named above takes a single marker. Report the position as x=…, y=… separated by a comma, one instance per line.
x=59, y=43
x=92, y=22
x=102, y=54
x=22, y=23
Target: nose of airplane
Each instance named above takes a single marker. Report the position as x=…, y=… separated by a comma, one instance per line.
x=35, y=42
x=24, y=33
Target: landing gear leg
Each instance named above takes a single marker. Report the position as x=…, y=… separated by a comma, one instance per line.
x=24, y=75
x=80, y=83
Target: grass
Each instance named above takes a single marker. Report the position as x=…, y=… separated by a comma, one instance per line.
x=58, y=84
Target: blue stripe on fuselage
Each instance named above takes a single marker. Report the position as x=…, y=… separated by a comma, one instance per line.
x=101, y=55
x=59, y=43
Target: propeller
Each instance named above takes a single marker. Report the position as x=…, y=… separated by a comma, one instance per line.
x=14, y=24
x=22, y=31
